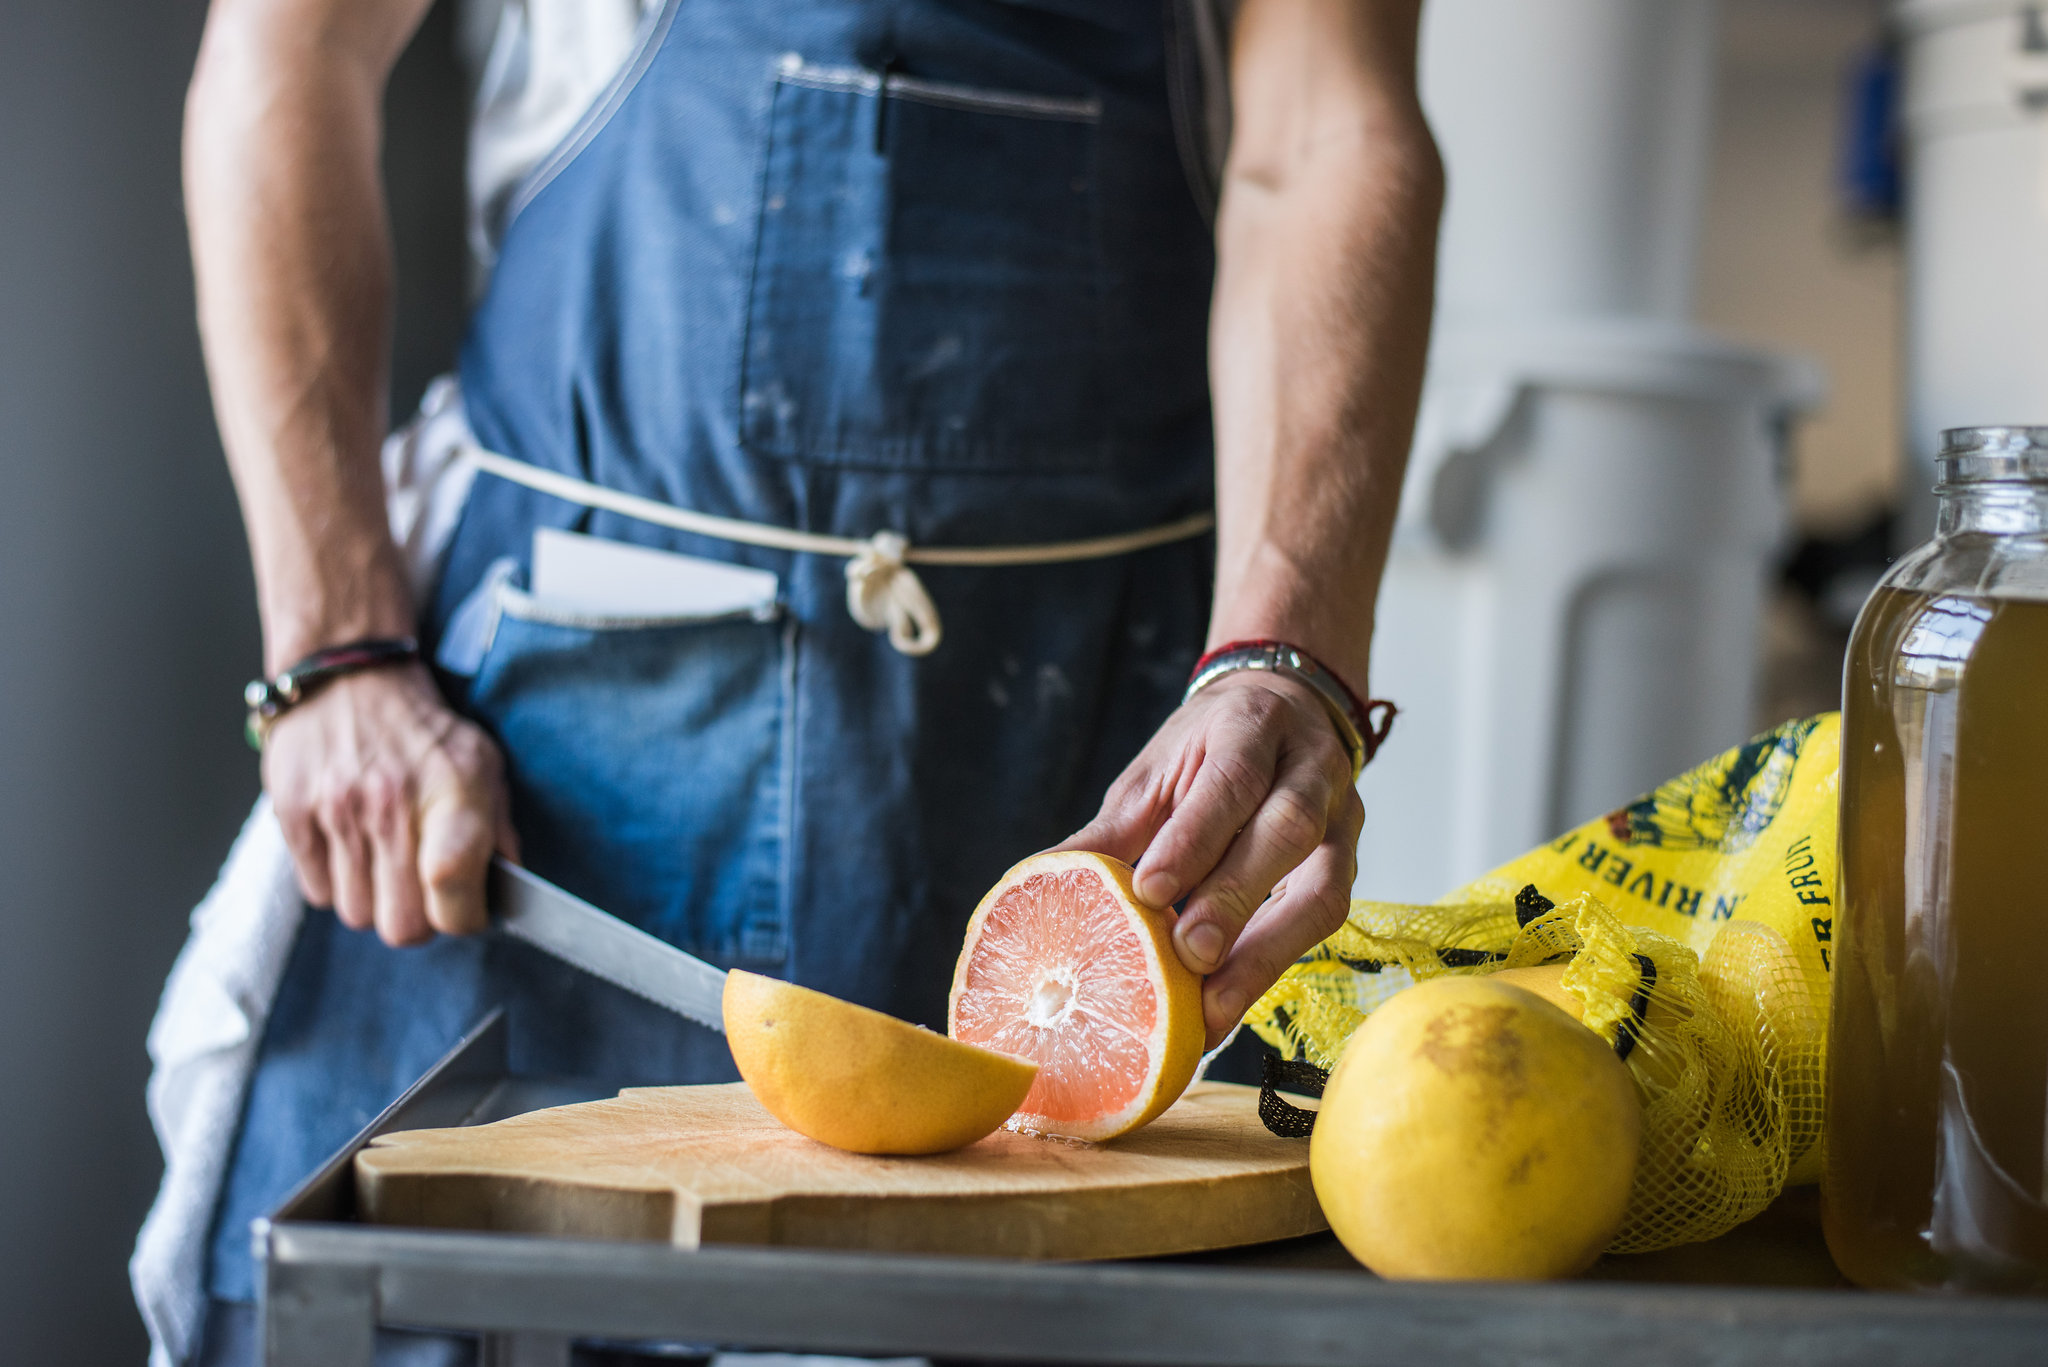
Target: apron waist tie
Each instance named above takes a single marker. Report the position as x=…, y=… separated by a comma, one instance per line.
x=883, y=592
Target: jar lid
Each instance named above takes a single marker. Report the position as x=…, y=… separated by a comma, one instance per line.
x=1992, y=455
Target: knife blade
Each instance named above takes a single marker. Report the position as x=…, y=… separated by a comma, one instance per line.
x=530, y=908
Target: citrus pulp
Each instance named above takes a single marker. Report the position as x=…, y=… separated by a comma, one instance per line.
x=1064, y=965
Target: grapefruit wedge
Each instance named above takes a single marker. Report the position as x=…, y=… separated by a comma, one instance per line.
x=856, y=1079
x=1064, y=965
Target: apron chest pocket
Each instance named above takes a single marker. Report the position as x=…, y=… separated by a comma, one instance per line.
x=927, y=285
x=650, y=760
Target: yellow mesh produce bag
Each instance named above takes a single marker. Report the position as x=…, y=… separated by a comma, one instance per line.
x=1695, y=925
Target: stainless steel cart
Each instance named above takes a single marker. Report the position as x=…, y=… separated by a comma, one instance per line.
x=328, y=1282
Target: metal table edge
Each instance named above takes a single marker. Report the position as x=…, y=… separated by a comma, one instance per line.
x=325, y=1281
x=1117, y=1312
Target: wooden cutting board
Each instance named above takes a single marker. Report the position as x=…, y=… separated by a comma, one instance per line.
x=703, y=1165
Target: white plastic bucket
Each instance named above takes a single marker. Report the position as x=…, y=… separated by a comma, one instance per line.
x=1574, y=602
x=1572, y=609
x=1576, y=135
x=1976, y=127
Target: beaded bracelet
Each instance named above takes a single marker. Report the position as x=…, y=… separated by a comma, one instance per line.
x=269, y=699
x=1361, y=725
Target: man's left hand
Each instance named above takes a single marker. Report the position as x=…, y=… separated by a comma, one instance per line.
x=1242, y=804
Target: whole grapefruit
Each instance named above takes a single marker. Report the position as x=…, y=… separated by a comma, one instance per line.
x=1474, y=1130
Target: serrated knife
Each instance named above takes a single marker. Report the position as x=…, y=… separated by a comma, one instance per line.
x=528, y=907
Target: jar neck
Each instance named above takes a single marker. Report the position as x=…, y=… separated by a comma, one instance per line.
x=2012, y=508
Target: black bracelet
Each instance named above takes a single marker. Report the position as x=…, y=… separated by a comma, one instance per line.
x=269, y=699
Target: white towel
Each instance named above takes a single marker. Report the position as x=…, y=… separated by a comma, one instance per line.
x=210, y=1020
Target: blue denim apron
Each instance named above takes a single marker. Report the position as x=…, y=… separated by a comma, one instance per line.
x=928, y=266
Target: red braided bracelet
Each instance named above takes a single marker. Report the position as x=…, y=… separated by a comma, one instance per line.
x=1361, y=724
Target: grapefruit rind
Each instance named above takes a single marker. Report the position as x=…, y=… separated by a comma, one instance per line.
x=860, y=1080
x=1174, y=1043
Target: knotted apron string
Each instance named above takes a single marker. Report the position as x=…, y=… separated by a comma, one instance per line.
x=883, y=592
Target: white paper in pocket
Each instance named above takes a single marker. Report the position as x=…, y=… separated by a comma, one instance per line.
x=588, y=574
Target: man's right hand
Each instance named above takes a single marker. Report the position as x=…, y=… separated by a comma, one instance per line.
x=392, y=805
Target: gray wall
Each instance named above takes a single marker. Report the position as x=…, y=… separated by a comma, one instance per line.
x=126, y=617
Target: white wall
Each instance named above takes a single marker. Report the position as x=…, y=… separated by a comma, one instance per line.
x=1779, y=266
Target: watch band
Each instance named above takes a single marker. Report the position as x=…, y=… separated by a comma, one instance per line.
x=269, y=699
x=1362, y=726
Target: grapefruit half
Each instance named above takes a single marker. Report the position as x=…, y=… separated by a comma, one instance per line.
x=1064, y=965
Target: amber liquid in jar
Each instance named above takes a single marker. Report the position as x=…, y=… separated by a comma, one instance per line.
x=1937, y=1102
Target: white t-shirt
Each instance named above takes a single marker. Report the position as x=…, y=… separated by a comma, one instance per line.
x=540, y=64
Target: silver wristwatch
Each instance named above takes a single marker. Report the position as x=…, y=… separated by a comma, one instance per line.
x=1359, y=737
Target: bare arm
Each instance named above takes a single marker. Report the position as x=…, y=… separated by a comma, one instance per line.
x=1326, y=267
x=1326, y=247
x=390, y=803
x=293, y=259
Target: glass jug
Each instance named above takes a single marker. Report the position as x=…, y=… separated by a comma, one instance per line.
x=1937, y=1095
